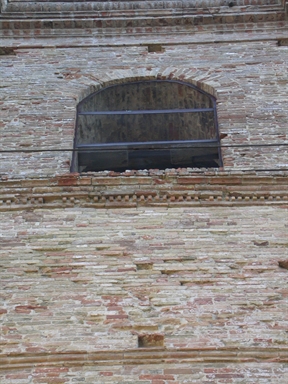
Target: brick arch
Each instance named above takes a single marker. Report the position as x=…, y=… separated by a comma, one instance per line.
x=167, y=73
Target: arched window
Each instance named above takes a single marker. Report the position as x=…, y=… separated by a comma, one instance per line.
x=146, y=124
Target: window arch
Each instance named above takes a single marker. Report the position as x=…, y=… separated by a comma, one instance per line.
x=146, y=124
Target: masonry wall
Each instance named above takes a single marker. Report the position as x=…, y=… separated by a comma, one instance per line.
x=207, y=280
x=42, y=86
x=155, y=276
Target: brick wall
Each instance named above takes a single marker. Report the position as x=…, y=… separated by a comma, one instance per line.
x=42, y=87
x=77, y=281
x=154, y=276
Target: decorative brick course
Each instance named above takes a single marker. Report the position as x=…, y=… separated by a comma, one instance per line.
x=211, y=189
x=57, y=15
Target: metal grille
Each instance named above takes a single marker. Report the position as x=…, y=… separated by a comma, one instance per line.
x=144, y=125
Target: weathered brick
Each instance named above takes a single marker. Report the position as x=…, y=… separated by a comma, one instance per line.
x=190, y=261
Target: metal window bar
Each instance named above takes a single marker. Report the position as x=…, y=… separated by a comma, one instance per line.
x=151, y=144
x=147, y=111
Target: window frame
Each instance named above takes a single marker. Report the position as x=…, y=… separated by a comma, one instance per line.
x=165, y=144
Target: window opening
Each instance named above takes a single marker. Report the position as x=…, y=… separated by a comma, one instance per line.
x=146, y=124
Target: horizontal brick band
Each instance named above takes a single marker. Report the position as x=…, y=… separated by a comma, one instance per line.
x=146, y=356
x=132, y=191
x=88, y=6
x=116, y=20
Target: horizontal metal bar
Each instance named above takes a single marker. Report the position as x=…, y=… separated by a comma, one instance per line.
x=151, y=144
x=147, y=112
x=219, y=145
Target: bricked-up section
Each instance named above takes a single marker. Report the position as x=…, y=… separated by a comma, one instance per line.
x=150, y=340
x=6, y=51
x=283, y=264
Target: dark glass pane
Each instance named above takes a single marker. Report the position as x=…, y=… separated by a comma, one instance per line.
x=145, y=127
x=146, y=95
x=132, y=131
x=102, y=160
x=120, y=160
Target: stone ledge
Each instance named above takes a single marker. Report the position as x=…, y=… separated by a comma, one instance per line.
x=142, y=5
x=104, y=20
x=117, y=37
x=141, y=356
